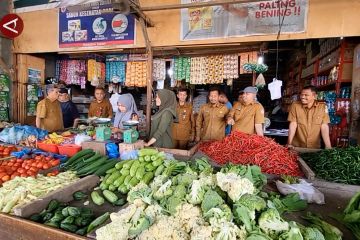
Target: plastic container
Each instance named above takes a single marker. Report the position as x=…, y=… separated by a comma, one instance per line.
x=69, y=149
x=48, y=147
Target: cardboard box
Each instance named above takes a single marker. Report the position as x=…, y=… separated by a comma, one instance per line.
x=97, y=146
x=131, y=146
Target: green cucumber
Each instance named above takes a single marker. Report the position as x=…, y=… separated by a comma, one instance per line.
x=78, y=155
x=92, y=167
x=68, y=227
x=97, y=199
x=150, y=167
x=141, y=159
x=140, y=172
x=134, y=168
x=125, y=171
x=133, y=182
x=120, y=164
x=123, y=189
x=119, y=181
x=98, y=221
x=93, y=158
x=127, y=180
x=111, y=170
x=147, y=151
x=110, y=196
x=113, y=177
x=147, y=177
x=147, y=158
x=112, y=187
x=159, y=170
x=128, y=164
x=102, y=170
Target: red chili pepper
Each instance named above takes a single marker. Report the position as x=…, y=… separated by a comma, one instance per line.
x=242, y=148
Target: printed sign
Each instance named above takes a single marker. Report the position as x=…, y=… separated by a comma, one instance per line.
x=95, y=25
x=243, y=19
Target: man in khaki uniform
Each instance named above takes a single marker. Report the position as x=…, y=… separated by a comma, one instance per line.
x=211, y=121
x=247, y=116
x=309, y=121
x=48, y=111
x=184, y=130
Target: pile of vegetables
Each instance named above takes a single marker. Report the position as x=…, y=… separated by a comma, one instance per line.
x=71, y=219
x=88, y=162
x=351, y=216
x=6, y=150
x=341, y=165
x=21, y=190
x=26, y=168
x=242, y=148
x=128, y=173
x=194, y=202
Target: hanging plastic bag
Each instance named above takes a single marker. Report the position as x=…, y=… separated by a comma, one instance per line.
x=112, y=150
x=306, y=191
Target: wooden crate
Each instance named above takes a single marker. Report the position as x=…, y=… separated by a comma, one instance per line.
x=181, y=154
x=97, y=146
x=62, y=195
x=309, y=174
x=14, y=228
x=123, y=147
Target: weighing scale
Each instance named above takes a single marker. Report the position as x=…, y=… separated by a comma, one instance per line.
x=130, y=135
x=102, y=127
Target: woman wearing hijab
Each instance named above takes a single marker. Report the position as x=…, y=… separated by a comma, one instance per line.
x=127, y=110
x=161, y=122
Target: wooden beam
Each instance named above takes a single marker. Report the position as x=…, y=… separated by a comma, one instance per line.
x=196, y=4
x=149, y=84
x=140, y=14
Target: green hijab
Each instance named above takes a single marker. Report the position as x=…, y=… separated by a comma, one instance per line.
x=168, y=102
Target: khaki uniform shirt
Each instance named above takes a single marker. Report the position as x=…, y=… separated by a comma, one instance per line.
x=50, y=115
x=211, y=122
x=185, y=128
x=246, y=116
x=103, y=109
x=309, y=121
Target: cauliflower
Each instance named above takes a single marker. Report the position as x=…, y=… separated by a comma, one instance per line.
x=234, y=185
x=140, y=191
x=157, y=182
x=270, y=220
x=202, y=233
x=153, y=211
x=197, y=192
x=124, y=215
x=164, y=228
x=113, y=231
x=215, y=216
x=229, y=231
x=164, y=191
x=189, y=216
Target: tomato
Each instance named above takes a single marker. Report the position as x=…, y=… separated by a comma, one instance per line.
x=17, y=164
x=38, y=158
x=5, y=178
x=55, y=172
x=27, y=167
x=2, y=174
x=40, y=165
x=10, y=164
x=33, y=169
x=23, y=175
x=13, y=160
x=19, y=160
x=15, y=174
x=46, y=166
x=31, y=173
x=14, y=168
x=21, y=170
x=1, y=148
x=55, y=162
x=34, y=164
x=48, y=158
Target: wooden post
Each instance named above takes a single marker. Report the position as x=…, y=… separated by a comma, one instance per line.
x=253, y=78
x=149, y=52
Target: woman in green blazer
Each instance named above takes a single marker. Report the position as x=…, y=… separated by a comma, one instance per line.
x=161, y=122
